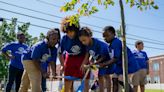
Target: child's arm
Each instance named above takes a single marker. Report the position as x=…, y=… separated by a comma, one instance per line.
x=7, y=55
x=100, y=60
x=85, y=61
x=5, y=49
x=110, y=62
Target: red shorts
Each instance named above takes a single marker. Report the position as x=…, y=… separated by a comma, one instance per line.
x=72, y=66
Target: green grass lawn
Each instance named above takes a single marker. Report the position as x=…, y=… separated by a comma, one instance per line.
x=152, y=90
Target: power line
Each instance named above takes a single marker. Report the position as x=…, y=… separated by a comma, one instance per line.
x=147, y=47
x=41, y=1
x=56, y=22
x=98, y=38
x=30, y=24
x=144, y=38
x=155, y=41
x=44, y=13
x=145, y=41
x=105, y=19
x=30, y=9
x=34, y=17
x=144, y=45
x=61, y=17
x=29, y=16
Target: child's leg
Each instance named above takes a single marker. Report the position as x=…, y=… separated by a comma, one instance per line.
x=136, y=81
x=122, y=84
x=135, y=88
x=115, y=83
x=68, y=86
x=142, y=87
x=86, y=89
x=108, y=82
x=143, y=73
x=101, y=83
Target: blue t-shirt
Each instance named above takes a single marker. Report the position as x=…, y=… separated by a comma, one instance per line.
x=44, y=65
x=98, y=49
x=17, y=49
x=141, y=58
x=115, y=50
x=40, y=51
x=72, y=46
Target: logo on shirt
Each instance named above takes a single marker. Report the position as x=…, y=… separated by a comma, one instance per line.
x=20, y=50
x=75, y=49
x=93, y=54
x=140, y=55
x=111, y=53
x=45, y=57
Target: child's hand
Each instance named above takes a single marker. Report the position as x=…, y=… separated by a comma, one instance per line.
x=84, y=67
x=11, y=57
x=61, y=69
x=101, y=65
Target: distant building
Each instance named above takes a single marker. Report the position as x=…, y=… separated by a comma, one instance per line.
x=156, y=71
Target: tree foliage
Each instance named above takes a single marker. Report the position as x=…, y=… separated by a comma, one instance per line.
x=86, y=8
x=7, y=35
x=8, y=32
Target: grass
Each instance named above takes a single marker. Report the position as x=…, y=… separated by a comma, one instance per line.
x=153, y=90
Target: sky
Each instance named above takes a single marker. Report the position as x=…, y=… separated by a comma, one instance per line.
x=147, y=25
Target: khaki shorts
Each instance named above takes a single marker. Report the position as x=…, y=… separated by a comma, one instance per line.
x=139, y=77
x=120, y=77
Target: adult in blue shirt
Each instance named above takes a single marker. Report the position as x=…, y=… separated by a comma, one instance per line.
x=40, y=52
x=15, y=66
x=115, y=49
x=99, y=52
x=139, y=78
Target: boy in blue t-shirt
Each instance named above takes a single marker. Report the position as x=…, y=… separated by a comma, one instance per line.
x=139, y=78
x=15, y=65
x=115, y=49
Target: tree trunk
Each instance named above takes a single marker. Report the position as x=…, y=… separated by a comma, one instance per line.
x=124, y=48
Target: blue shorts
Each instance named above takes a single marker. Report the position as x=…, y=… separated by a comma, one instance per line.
x=106, y=71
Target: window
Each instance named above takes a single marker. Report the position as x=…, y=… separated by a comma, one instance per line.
x=156, y=79
x=156, y=66
x=148, y=79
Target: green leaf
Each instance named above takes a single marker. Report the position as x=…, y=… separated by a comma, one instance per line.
x=127, y=1
x=99, y=2
x=74, y=2
x=141, y=8
x=155, y=7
